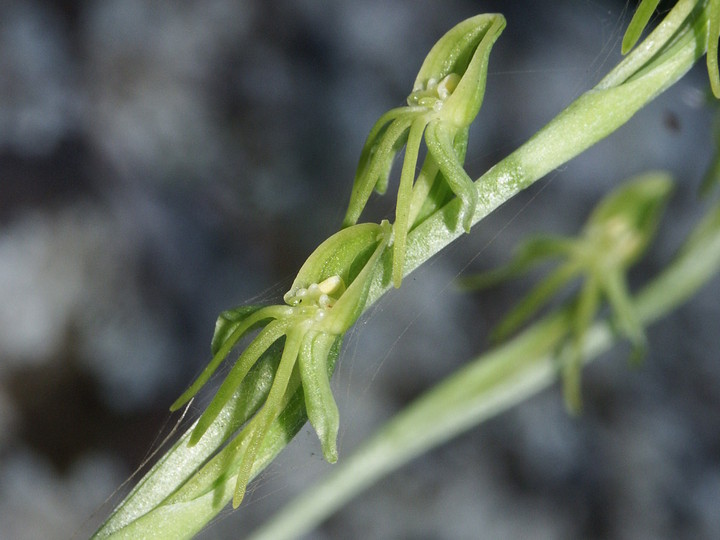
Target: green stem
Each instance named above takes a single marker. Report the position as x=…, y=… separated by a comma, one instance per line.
x=487, y=386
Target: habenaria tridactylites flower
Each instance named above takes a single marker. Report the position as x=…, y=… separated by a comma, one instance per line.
x=445, y=99
x=325, y=299
x=612, y=240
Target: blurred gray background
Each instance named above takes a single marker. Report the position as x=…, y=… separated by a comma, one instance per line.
x=163, y=161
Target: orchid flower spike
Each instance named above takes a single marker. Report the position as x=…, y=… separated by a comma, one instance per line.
x=445, y=99
x=325, y=299
x=615, y=236
x=711, y=8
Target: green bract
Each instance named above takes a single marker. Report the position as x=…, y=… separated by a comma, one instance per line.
x=324, y=301
x=638, y=23
x=446, y=97
x=647, y=8
x=615, y=235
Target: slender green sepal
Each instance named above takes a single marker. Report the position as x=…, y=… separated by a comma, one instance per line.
x=463, y=104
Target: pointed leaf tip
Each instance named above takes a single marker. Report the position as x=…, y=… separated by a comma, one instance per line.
x=638, y=23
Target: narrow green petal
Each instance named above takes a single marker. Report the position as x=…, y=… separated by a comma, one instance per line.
x=375, y=156
x=229, y=339
x=393, y=139
x=381, y=126
x=269, y=335
x=546, y=246
x=376, y=161
x=259, y=425
x=227, y=322
x=404, y=198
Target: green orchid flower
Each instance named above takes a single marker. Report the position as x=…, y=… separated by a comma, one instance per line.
x=446, y=98
x=325, y=299
x=615, y=236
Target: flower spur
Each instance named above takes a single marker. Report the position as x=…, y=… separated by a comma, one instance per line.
x=446, y=98
x=613, y=239
x=319, y=308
